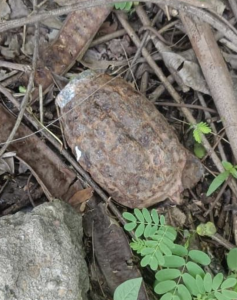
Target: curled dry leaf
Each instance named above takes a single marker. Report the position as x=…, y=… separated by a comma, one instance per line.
x=7, y=163
x=81, y=196
x=188, y=71
x=4, y=10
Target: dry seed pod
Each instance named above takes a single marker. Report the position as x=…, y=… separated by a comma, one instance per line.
x=123, y=141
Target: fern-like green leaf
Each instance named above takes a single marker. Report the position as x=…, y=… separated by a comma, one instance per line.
x=200, y=128
x=197, y=135
x=203, y=127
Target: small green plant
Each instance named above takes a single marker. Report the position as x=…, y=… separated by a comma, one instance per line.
x=180, y=273
x=199, y=150
x=199, y=129
x=22, y=89
x=125, y=5
x=229, y=170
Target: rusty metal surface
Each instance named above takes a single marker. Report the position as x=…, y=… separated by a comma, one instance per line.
x=122, y=140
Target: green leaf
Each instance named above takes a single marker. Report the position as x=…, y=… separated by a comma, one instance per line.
x=145, y=261
x=173, y=261
x=227, y=165
x=167, y=274
x=164, y=287
x=140, y=229
x=162, y=220
x=184, y=293
x=229, y=294
x=179, y=250
x=207, y=229
x=194, y=269
x=148, y=231
x=165, y=249
x=128, y=6
x=232, y=259
x=22, y=89
x=190, y=283
x=197, y=135
x=128, y=290
x=120, y=5
x=146, y=215
x=160, y=257
x=219, y=296
x=217, y=280
x=155, y=216
x=167, y=296
x=233, y=172
x=130, y=226
x=217, y=182
x=228, y=283
x=199, y=257
x=139, y=215
x=130, y=217
x=200, y=284
x=203, y=127
x=153, y=263
x=146, y=251
x=199, y=150
x=207, y=282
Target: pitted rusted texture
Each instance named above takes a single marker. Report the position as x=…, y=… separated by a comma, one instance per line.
x=123, y=141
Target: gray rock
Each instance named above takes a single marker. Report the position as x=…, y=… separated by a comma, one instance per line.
x=41, y=255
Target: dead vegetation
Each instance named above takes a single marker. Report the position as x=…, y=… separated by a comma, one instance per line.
x=181, y=55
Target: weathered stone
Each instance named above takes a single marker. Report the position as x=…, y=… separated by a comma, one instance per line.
x=122, y=140
x=41, y=255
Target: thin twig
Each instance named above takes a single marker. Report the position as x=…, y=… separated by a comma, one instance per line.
x=192, y=106
x=211, y=18
x=217, y=198
x=28, y=92
x=14, y=66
